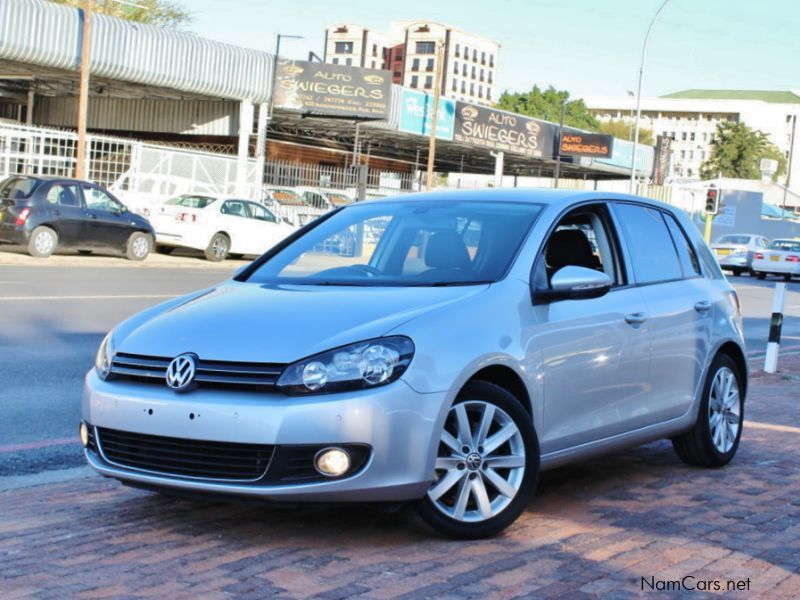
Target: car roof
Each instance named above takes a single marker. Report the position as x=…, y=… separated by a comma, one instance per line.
x=549, y=196
x=48, y=178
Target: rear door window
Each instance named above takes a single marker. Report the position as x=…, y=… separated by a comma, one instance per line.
x=653, y=254
x=64, y=195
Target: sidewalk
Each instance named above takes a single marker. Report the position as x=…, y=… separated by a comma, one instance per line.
x=619, y=527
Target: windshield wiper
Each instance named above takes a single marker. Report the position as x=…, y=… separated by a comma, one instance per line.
x=454, y=283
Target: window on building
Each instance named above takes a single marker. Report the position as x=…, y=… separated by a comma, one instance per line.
x=335, y=60
x=489, y=77
x=471, y=89
x=475, y=55
x=483, y=58
x=705, y=137
x=491, y=60
x=683, y=153
x=344, y=48
x=428, y=82
x=689, y=172
x=464, y=70
x=473, y=71
x=455, y=85
x=397, y=74
x=373, y=65
x=683, y=136
x=455, y=67
x=429, y=65
x=458, y=50
x=426, y=47
x=348, y=62
x=488, y=93
x=691, y=154
x=463, y=87
x=374, y=49
x=415, y=64
x=480, y=91
x=414, y=81
x=481, y=74
x=466, y=52
x=691, y=136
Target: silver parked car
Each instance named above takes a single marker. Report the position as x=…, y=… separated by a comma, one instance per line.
x=472, y=340
x=735, y=251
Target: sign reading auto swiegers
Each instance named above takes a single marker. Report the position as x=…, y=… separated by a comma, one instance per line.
x=585, y=144
x=337, y=90
x=504, y=131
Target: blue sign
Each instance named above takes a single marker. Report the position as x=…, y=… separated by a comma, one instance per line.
x=623, y=154
x=416, y=114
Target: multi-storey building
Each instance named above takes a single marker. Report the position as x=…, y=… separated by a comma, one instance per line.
x=412, y=51
x=691, y=117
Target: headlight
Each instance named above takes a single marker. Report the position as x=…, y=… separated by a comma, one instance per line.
x=353, y=367
x=105, y=353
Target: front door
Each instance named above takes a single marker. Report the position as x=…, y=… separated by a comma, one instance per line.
x=594, y=353
x=107, y=224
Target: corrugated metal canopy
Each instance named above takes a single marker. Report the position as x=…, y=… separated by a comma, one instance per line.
x=49, y=35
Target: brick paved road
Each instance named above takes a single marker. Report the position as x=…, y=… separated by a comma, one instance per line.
x=593, y=531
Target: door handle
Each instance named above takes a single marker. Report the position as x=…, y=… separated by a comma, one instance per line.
x=92, y=216
x=702, y=306
x=636, y=318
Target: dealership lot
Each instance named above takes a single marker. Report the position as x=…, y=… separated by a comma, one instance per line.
x=596, y=529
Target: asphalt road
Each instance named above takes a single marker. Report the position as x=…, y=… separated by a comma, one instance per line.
x=53, y=318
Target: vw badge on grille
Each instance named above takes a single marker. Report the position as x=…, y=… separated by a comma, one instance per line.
x=180, y=372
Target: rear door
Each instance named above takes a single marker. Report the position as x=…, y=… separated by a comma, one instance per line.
x=107, y=225
x=64, y=208
x=680, y=307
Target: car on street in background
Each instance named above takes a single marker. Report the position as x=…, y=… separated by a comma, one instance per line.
x=781, y=257
x=735, y=251
x=219, y=226
x=476, y=338
x=46, y=213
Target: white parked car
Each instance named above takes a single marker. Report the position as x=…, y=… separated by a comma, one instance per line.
x=218, y=226
x=735, y=251
x=782, y=257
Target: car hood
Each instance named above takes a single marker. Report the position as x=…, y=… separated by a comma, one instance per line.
x=250, y=322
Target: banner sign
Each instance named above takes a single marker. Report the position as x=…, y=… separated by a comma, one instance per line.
x=499, y=130
x=416, y=114
x=622, y=156
x=585, y=144
x=337, y=90
x=662, y=156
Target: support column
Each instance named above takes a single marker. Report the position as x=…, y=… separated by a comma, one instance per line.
x=29, y=115
x=498, y=168
x=245, y=128
x=261, y=145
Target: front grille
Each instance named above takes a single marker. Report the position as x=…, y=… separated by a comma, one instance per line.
x=209, y=373
x=222, y=461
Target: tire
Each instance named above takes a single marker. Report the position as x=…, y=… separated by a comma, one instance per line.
x=236, y=256
x=708, y=445
x=462, y=476
x=85, y=252
x=737, y=272
x=43, y=242
x=760, y=275
x=218, y=247
x=787, y=277
x=162, y=249
x=138, y=246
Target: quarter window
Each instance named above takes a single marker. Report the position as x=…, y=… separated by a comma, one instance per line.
x=650, y=245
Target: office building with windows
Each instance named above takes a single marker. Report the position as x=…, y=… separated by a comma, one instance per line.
x=410, y=52
x=690, y=118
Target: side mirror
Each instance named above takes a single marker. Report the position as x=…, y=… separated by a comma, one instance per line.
x=575, y=283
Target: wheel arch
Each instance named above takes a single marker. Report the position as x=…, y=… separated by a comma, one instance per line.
x=508, y=379
x=733, y=350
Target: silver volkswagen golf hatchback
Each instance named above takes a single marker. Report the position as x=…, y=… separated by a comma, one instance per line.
x=438, y=348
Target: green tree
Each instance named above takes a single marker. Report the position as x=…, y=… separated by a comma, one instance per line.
x=547, y=105
x=164, y=13
x=625, y=131
x=737, y=151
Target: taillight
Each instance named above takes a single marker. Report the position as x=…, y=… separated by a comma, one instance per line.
x=759, y=255
x=22, y=217
x=793, y=258
x=186, y=217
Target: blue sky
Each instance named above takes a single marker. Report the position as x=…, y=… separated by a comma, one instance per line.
x=588, y=47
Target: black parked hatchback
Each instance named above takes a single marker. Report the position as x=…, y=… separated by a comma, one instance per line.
x=45, y=213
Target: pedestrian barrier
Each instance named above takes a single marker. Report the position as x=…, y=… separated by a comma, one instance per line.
x=776, y=321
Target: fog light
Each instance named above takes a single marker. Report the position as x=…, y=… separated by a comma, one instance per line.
x=84, y=433
x=332, y=462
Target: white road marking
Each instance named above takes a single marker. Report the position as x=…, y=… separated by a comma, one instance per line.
x=771, y=427
x=98, y=297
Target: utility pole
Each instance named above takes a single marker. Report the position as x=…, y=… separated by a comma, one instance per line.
x=437, y=89
x=557, y=171
x=83, y=94
x=789, y=162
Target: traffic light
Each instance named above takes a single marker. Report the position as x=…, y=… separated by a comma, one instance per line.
x=712, y=201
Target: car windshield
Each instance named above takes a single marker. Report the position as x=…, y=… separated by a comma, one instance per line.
x=18, y=188
x=405, y=243
x=734, y=239
x=786, y=245
x=191, y=201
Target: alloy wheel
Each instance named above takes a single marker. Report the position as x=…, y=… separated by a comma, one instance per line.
x=140, y=247
x=219, y=247
x=724, y=410
x=480, y=464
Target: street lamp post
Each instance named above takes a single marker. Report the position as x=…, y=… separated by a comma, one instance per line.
x=83, y=92
x=639, y=95
x=435, y=115
x=630, y=118
x=275, y=68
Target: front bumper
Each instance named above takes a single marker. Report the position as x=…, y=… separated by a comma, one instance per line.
x=398, y=424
